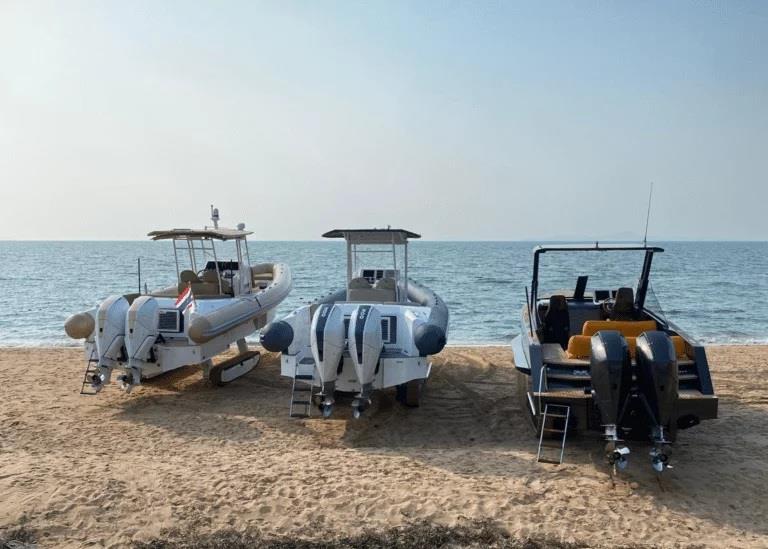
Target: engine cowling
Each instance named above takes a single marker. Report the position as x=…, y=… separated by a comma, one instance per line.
x=365, y=344
x=611, y=370
x=142, y=330
x=110, y=329
x=657, y=374
x=327, y=341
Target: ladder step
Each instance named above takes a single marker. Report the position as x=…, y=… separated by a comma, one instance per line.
x=546, y=430
x=563, y=416
x=302, y=402
x=304, y=376
x=555, y=444
x=305, y=389
x=547, y=460
x=299, y=415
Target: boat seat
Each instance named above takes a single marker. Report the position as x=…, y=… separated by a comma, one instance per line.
x=624, y=305
x=188, y=276
x=358, y=283
x=386, y=283
x=359, y=289
x=628, y=328
x=209, y=285
x=580, y=346
x=556, y=324
x=374, y=295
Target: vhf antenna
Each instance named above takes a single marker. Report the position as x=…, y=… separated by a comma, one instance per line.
x=648, y=216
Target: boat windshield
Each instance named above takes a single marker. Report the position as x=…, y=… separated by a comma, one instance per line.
x=653, y=305
x=559, y=270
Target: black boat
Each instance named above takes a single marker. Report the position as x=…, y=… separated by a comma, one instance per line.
x=616, y=362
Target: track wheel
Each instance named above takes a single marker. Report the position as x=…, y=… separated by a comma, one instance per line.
x=413, y=390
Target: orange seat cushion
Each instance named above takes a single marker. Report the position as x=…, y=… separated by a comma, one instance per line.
x=580, y=346
x=628, y=328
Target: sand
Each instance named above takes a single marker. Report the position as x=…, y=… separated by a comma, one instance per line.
x=114, y=468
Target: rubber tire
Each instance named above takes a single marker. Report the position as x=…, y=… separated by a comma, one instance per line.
x=413, y=390
x=215, y=377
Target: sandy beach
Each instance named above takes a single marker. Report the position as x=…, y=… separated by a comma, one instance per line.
x=113, y=469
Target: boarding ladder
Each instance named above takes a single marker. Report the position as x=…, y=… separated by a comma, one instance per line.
x=91, y=369
x=554, y=428
x=301, y=392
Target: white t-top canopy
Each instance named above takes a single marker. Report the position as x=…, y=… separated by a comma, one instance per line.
x=372, y=236
x=214, y=234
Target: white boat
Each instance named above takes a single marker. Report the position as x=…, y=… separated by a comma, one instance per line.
x=212, y=304
x=377, y=332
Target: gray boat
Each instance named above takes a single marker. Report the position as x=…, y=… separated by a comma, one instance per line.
x=608, y=360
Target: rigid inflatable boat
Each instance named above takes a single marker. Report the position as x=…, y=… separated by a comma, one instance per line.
x=213, y=304
x=609, y=360
x=377, y=332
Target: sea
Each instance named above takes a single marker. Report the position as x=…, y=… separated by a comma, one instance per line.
x=716, y=291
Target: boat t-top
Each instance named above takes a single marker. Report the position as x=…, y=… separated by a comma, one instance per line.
x=608, y=359
x=378, y=331
x=213, y=303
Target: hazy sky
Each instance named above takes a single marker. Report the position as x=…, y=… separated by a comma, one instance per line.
x=459, y=120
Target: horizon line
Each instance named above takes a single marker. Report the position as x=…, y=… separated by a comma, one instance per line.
x=522, y=240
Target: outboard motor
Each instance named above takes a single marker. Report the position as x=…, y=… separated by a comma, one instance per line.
x=110, y=337
x=657, y=380
x=365, y=344
x=327, y=341
x=611, y=370
x=142, y=333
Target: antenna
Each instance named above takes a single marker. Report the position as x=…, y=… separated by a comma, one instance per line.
x=648, y=215
x=215, y=217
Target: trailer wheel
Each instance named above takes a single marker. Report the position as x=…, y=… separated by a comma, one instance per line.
x=413, y=390
x=215, y=377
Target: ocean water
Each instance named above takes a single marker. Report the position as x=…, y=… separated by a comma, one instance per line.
x=716, y=291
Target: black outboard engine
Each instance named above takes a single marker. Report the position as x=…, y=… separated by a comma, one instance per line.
x=611, y=371
x=657, y=381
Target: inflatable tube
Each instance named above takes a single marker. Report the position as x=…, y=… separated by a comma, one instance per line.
x=203, y=328
x=80, y=325
x=277, y=336
x=429, y=337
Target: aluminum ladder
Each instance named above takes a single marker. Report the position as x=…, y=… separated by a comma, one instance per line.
x=554, y=428
x=301, y=391
x=91, y=369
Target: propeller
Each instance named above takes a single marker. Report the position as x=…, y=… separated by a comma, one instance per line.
x=617, y=455
x=660, y=458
